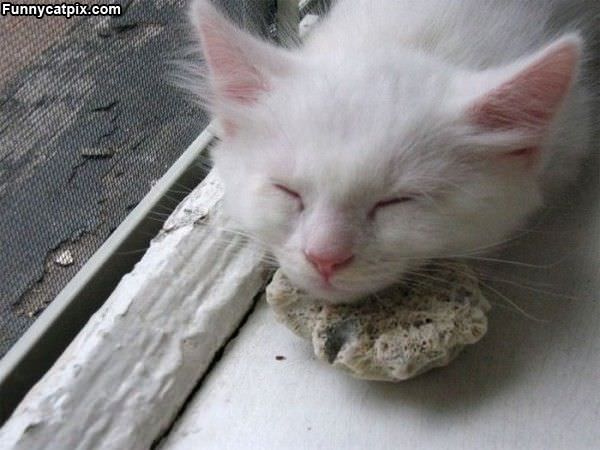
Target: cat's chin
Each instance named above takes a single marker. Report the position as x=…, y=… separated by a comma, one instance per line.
x=330, y=292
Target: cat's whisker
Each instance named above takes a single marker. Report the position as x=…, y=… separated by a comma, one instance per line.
x=512, y=303
x=512, y=263
x=160, y=214
x=171, y=199
x=470, y=256
x=482, y=275
x=132, y=252
x=156, y=219
x=492, y=290
x=180, y=192
x=530, y=288
x=184, y=188
x=227, y=233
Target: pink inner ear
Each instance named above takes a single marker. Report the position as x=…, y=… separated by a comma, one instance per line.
x=235, y=78
x=531, y=98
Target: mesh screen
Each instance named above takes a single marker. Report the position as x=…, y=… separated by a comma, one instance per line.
x=88, y=121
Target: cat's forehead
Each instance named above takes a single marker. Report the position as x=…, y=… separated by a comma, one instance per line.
x=362, y=129
x=360, y=102
x=353, y=168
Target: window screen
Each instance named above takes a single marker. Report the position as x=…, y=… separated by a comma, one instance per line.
x=88, y=122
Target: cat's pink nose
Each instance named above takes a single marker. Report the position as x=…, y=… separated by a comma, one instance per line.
x=327, y=263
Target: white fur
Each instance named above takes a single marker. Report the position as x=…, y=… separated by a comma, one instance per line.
x=372, y=107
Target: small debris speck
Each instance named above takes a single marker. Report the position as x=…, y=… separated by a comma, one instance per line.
x=280, y=358
x=65, y=258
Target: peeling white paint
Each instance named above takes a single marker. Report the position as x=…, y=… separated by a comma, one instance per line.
x=122, y=380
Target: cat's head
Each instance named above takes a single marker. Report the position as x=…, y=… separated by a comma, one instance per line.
x=352, y=172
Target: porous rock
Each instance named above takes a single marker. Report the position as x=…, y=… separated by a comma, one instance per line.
x=399, y=333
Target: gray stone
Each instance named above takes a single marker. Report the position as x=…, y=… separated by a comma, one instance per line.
x=399, y=333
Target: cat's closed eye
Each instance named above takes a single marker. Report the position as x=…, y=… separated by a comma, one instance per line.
x=390, y=202
x=290, y=193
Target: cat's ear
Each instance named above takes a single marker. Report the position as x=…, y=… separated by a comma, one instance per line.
x=514, y=107
x=240, y=66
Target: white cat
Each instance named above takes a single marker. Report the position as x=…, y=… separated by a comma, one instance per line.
x=402, y=130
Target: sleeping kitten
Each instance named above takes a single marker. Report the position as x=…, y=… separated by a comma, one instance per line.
x=400, y=131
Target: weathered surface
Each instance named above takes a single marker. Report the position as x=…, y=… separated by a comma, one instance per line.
x=87, y=122
x=123, y=379
x=398, y=334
